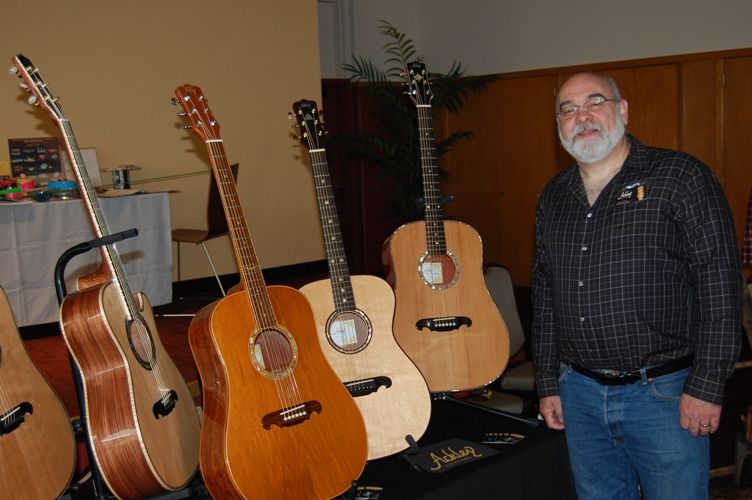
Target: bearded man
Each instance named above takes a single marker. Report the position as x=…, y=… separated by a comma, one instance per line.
x=637, y=304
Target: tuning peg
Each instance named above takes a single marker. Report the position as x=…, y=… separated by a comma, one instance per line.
x=32, y=99
x=12, y=70
x=187, y=127
x=174, y=101
x=182, y=113
x=290, y=116
x=23, y=85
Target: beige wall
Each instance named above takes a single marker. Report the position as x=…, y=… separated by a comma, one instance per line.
x=115, y=66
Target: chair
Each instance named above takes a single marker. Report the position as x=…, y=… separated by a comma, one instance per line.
x=216, y=225
x=499, y=284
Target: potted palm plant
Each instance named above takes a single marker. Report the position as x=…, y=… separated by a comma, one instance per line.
x=394, y=149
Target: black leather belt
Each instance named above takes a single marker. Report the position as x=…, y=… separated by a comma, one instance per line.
x=614, y=377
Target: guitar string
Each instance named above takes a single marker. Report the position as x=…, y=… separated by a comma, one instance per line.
x=256, y=291
x=112, y=258
x=255, y=288
x=434, y=217
x=35, y=81
x=340, y=279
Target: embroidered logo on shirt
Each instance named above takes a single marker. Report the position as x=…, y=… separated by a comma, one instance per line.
x=632, y=193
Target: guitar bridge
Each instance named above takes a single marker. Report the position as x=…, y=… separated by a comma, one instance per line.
x=445, y=324
x=366, y=386
x=291, y=416
x=164, y=406
x=13, y=418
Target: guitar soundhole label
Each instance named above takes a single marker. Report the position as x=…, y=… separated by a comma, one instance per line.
x=439, y=271
x=141, y=342
x=273, y=353
x=349, y=332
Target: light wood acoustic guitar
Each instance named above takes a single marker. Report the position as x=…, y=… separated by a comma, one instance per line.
x=354, y=323
x=37, y=447
x=278, y=423
x=142, y=422
x=445, y=318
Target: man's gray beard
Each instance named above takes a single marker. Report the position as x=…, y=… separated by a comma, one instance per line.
x=596, y=148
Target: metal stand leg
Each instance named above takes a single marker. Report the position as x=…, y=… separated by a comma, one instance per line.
x=203, y=245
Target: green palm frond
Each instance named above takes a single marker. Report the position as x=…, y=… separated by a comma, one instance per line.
x=395, y=151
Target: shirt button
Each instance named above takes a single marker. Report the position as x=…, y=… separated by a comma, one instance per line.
x=582, y=320
x=580, y=283
x=584, y=247
x=590, y=215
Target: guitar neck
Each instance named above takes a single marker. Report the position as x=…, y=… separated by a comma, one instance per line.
x=250, y=271
x=112, y=264
x=339, y=272
x=435, y=236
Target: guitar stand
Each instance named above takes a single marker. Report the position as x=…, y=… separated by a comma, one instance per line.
x=529, y=421
x=96, y=488
x=411, y=452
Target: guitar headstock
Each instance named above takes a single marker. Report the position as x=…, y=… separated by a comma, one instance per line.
x=196, y=111
x=312, y=132
x=419, y=89
x=38, y=89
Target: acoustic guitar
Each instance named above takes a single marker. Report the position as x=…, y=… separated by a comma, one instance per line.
x=354, y=323
x=37, y=446
x=278, y=423
x=445, y=318
x=142, y=422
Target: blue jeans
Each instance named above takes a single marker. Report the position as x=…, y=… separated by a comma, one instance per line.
x=622, y=436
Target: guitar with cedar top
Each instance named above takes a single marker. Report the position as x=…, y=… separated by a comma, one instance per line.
x=445, y=318
x=278, y=423
x=37, y=446
x=354, y=322
x=142, y=421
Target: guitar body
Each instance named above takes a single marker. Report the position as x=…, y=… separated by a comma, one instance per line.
x=37, y=457
x=243, y=455
x=392, y=412
x=138, y=453
x=453, y=358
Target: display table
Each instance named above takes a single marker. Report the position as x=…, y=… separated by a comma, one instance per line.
x=34, y=235
x=537, y=467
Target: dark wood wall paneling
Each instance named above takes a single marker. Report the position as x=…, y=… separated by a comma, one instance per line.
x=699, y=103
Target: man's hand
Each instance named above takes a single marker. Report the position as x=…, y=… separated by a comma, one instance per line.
x=698, y=416
x=550, y=409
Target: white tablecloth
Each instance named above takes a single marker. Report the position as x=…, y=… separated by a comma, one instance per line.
x=34, y=235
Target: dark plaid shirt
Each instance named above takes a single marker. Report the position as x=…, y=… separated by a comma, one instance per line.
x=649, y=274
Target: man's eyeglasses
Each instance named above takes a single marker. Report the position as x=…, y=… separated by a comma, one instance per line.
x=592, y=104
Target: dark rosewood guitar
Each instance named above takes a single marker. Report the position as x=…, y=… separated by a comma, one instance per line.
x=354, y=322
x=278, y=423
x=142, y=422
x=36, y=440
x=445, y=319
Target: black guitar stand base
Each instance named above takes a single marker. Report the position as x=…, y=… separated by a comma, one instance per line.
x=531, y=422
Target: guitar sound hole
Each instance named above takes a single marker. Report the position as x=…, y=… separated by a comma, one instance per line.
x=439, y=271
x=142, y=344
x=349, y=332
x=273, y=353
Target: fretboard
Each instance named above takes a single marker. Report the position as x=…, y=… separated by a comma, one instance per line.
x=435, y=237
x=339, y=273
x=250, y=271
